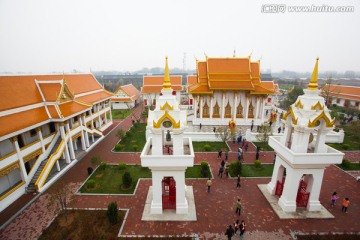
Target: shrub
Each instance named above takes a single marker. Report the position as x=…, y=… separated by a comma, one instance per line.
x=122, y=166
x=135, y=147
x=103, y=165
x=346, y=163
x=129, y=133
x=118, y=147
x=257, y=163
x=112, y=213
x=95, y=160
x=207, y=147
x=205, y=171
x=127, y=179
x=345, y=146
x=235, y=168
x=90, y=183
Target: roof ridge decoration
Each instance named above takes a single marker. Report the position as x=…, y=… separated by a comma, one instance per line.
x=290, y=111
x=166, y=107
x=168, y=117
x=299, y=104
x=317, y=106
x=329, y=122
x=65, y=93
x=313, y=85
x=167, y=83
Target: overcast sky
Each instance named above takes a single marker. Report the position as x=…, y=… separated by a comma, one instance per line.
x=62, y=35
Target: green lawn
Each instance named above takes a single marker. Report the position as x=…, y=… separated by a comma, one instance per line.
x=214, y=146
x=135, y=136
x=264, y=146
x=351, y=139
x=110, y=180
x=352, y=167
x=249, y=170
x=120, y=113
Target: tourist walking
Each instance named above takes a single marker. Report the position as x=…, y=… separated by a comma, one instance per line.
x=226, y=155
x=239, y=139
x=238, y=181
x=238, y=207
x=334, y=197
x=242, y=229
x=279, y=129
x=252, y=125
x=257, y=156
x=200, y=125
x=236, y=226
x=239, y=155
x=220, y=154
x=345, y=205
x=229, y=232
x=227, y=167
x=246, y=147
x=208, y=184
x=221, y=170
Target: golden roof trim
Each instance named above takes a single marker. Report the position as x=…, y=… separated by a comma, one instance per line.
x=166, y=105
x=329, y=122
x=166, y=116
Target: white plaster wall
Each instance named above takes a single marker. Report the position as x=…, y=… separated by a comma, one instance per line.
x=28, y=139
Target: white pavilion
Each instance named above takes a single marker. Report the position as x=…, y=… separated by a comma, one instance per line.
x=302, y=151
x=168, y=153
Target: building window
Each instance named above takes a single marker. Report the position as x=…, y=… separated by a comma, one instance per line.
x=33, y=132
x=216, y=111
x=338, y=100
x=347, y=103
x=9, y=181
x=206, y=111
x=239, y=111
x=228, y=111
x=356, y=104
x=251, y=111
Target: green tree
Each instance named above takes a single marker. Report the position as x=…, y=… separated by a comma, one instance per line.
x=264, y=133
x=112, y=213
x=291, y=97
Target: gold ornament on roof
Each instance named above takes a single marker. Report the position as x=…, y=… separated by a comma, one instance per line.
x=167, y=83
x=313, y=85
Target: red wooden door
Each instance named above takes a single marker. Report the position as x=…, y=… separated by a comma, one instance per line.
x=169, y=193
x=302, y=197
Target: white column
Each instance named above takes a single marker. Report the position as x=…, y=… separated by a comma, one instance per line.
x=201, y=108
x=262, y=109
x=287, y=200
x=41, y=139
x=63, y=136
x=320, y=146
x=156, y=203
x=157, y=143
x=234, y=106
x=71, y=146
x=178, y=142
x=75, y=145
x=211, y=107
x=314, y=186
x=277, y=175
x=23, y=172
x=195, y=107
x=84, y=137
x=58, y=166
x=222, y=106
x=257, y=102
x=181, y=201
x=98, y=112
x=110, y=115
x=246, y=108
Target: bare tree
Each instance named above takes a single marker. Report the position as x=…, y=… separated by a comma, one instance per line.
x=60, y=197
x=224, y=133
x=264, y=132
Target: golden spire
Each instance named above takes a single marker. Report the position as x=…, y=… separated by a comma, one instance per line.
x=167, y=83
x=313, y=85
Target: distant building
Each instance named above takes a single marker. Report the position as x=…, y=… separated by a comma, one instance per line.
x=125, y=97
x=152, y=86
x=229, y=88
x=46, y=120
x=343, y=96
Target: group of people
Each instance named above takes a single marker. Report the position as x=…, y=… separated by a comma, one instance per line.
x=345, y=203
x=224, y=167
x=238, y=227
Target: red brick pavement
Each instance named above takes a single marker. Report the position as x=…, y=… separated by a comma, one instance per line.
x=215, y=210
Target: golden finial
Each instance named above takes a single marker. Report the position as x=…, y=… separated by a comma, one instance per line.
x=167, y=83
x=313, y=85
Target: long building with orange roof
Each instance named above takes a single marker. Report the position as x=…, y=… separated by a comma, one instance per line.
x=343, y=96
x=229, y=88
x=45, y=121
x=125, y=97
x=152, y=86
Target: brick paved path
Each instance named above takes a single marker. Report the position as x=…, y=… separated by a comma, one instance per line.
x=215, y=210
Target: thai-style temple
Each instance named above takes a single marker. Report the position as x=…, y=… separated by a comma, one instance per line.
x=343, y=96
x=46, y=122
x=125, y=97
x=229, y=88
x=152, y=86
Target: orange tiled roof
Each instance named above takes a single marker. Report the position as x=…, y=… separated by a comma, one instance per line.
x=53, y=112
x=230, y=74
x=345, y=92
x=157, y=89
x=19, y=91
x=159, y=80
x=70, y=108
x=200, y=88
x=21, y=120
x=94, y=97
x=129, y=90
x=191, y=80
x=50, y=91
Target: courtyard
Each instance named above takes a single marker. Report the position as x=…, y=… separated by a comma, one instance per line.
x=214, y=210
